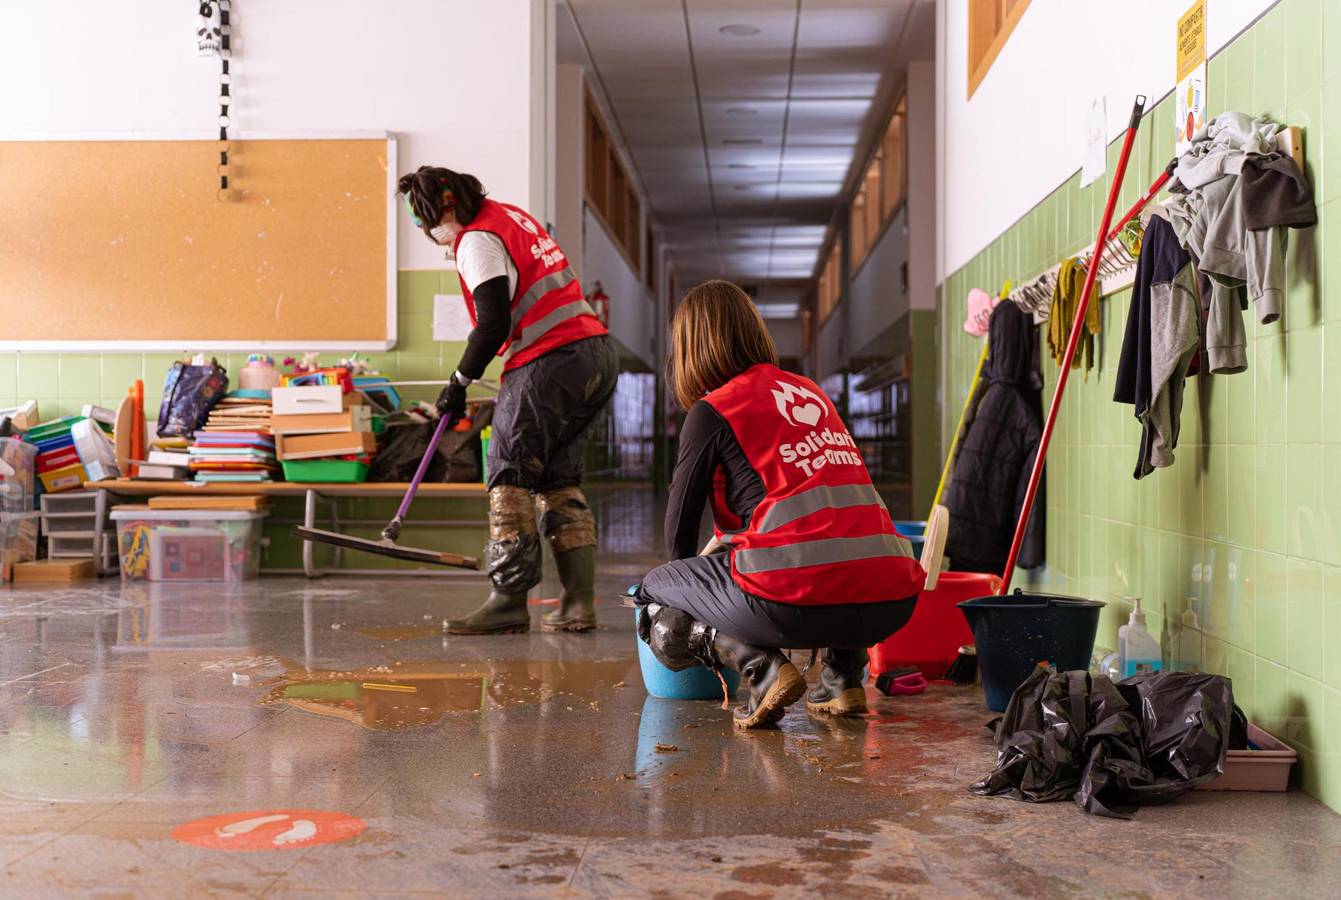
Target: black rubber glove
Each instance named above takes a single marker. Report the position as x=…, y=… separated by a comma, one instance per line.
x=452, y=402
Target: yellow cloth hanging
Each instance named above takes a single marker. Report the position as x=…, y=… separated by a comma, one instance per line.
x=1065, y=303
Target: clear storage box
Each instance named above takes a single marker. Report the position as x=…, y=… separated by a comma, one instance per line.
x=18, y=478
x=188, y=545
x=18, y=541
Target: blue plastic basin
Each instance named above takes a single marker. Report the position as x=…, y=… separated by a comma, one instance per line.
x=698, y=683
x=915, y=532
x=1015, y=633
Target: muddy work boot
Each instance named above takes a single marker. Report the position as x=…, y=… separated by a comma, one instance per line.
x=679, y=642
x=565, y=518
x=500, y=614
x=839, y=692
x=512, y=559
x=577, y=605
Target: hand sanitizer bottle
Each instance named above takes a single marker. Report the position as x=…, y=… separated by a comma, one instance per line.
x=1138, y=651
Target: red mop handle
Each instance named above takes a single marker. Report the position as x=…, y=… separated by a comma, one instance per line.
x=1072, y=343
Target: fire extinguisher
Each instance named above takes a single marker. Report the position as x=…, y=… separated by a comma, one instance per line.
x=600, y=303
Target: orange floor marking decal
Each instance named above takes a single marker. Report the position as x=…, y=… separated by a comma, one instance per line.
x=277, y=829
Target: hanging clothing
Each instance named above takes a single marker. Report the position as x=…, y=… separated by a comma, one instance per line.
x=1275, y=193
x=996, y=454
x=1159, y=344
x=1065, y=301
x=548, y=308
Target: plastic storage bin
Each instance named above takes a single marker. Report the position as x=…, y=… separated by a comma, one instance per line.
x=332, y=471
x=18, y=476
x=933, y=636
x=1264, y=766
x=18, y=540
x=188, y=545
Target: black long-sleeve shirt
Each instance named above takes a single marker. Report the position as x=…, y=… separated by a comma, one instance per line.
x=493, y=321
x=707, y=446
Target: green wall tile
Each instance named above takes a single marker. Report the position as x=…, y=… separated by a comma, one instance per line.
x=1304, y=712
x=1269, y=592
x=1303, y=386
x=38, y=375
x=1328, y=526
x=1215, y=494
x=1331, y=628
x=1269, y=386
x=1269, y=496
x=1240, y=599
x=1304, y=513
x=1240, y=496
x=1271, y=697
x=1331, y=381
x=1304, y=617
x=1268, y=79
x=1239, y=74
x=9, y=378
x=80, y=376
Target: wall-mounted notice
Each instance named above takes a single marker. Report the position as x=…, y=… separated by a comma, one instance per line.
x=1096, y=142
x=1190, y=96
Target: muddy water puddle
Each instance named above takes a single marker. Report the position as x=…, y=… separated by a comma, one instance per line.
x=413, y=694
x=401, y=632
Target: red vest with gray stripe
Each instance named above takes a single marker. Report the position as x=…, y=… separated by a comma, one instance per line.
x=548, y=309
x=821, y=535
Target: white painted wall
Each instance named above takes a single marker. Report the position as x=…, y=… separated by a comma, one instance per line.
x=428, y=70
x=1022, y=133
x=631, y=308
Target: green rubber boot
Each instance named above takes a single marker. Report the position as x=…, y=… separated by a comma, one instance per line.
x=577, y=606
x=500, y=614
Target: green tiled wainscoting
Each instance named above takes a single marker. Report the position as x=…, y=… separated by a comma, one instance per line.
x=63, y=383
x=1236, y=549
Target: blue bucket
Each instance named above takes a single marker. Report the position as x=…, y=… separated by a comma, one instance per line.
x=1015, y=633
x=698, y=683
x=915, y=532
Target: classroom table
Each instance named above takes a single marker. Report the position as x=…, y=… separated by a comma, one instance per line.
x=311, y=493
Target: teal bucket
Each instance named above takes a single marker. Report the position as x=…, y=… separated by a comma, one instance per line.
x=698, y=683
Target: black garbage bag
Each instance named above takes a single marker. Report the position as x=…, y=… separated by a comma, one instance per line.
x=459, y=457
x=1111, y=747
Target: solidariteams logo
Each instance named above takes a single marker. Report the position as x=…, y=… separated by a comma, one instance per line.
x=802, y=407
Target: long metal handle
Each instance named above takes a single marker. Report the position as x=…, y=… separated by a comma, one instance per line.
x=1071, y=344
x=443, y=423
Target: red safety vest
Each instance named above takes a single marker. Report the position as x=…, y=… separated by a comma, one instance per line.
x=821, y=535
x=548, y=309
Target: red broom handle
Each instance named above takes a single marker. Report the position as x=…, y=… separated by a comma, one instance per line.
x=1072, y=343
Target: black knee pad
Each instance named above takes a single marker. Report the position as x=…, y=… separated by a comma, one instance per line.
x=513, y=565
x=675, y=637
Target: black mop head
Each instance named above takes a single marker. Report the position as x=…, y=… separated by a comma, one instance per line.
x=386, y=548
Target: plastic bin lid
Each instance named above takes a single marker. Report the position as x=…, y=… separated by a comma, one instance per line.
x=142, y=513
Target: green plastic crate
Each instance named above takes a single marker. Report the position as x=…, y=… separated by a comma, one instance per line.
x=337, y=471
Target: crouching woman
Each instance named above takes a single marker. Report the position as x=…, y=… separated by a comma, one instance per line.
x=810, y=558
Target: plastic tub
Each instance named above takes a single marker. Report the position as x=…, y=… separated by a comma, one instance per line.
x=698, y=683
x=1015, y=633
x=937, y=629
x=18, y=540
x=334, y=471
x=188, y=545
x=1264, y=766
x=915, y=532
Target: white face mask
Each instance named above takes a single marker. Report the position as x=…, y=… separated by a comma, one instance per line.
x=445, y=232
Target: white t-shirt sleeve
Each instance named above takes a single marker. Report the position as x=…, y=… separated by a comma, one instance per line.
x=481, y=256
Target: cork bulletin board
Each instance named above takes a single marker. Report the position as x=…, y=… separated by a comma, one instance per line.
x=126, y=245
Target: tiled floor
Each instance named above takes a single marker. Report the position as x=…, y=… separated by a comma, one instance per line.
x=528, y=765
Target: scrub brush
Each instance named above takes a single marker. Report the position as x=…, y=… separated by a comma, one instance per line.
x=964, y=670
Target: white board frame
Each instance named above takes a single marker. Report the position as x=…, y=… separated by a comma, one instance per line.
x=210, y=344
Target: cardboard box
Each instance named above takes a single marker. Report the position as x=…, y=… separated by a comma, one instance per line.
x=315, y=446
x=315, y=398
x=356, y=418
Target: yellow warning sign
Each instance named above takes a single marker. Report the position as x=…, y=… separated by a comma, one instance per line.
x=1191, y=39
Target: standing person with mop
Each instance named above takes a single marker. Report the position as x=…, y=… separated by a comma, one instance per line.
x=559, y=372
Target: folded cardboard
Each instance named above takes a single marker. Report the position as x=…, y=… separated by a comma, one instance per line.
x=314, y=446
x=54, y=571
x=313, y=398
x=356, y=418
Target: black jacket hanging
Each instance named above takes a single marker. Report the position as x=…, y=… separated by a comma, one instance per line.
x=996, y=453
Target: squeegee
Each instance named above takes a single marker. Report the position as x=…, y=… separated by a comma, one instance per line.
x=387, y=546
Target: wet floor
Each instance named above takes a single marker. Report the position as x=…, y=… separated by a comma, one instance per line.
x=523, y=765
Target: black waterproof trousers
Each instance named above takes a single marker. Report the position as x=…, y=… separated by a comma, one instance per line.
x=702, y=586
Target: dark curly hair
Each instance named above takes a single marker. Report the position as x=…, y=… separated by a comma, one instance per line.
x=425, y=189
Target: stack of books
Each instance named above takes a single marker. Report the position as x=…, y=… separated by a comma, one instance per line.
x=241, y=411
x=233, y=456
x=169, y=459
x=321, y=423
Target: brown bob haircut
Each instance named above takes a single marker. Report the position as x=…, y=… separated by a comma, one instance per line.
x=716, y=334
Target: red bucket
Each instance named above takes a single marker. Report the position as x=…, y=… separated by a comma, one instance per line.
x=937, y=629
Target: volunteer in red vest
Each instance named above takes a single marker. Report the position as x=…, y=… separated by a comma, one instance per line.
x=559, y=370
x=811, y=558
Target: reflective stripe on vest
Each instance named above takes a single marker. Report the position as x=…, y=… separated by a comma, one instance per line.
x=538, y=329
x=552, y=282
x=815, y=499
x=819, y=553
